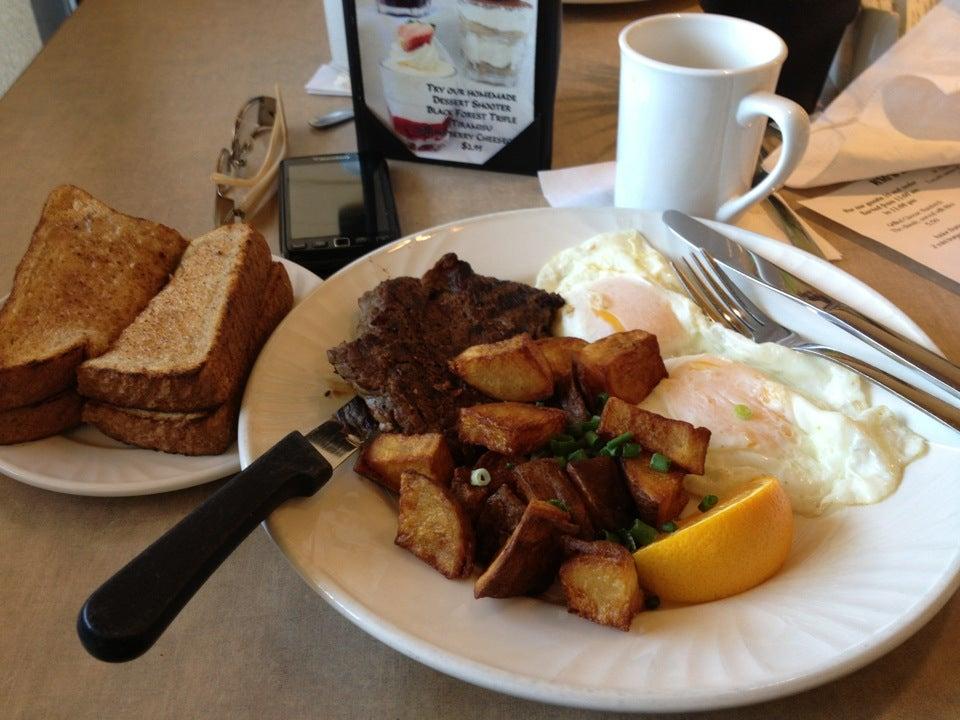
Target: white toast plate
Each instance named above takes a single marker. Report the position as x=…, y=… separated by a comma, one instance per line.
x=84, y=461
x=858, y=582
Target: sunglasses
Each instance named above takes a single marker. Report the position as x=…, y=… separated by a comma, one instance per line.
x=246, y=172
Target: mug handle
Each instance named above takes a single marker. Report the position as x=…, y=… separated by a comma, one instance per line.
x=795, y=128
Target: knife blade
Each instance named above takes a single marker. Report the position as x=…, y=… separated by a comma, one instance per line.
x=124, y=617
x=937, y=371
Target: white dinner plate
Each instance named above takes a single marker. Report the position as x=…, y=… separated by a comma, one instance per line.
x=857, y=583
x=84, y=461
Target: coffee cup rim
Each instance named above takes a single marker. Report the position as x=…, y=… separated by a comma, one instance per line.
x=632, y=52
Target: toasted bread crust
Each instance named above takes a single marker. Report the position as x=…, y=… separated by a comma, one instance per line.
x=88, y=271
x=166, y=359
x=47, y=417
x=195, y=433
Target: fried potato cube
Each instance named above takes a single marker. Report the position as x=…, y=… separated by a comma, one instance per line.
x=659, y=496
x=472, y=497
x=509, y=428
x=387, y=456
x=626, y=365
x=433, y=526
x=543, y=479
x=600, y=583
x=684, y=444
x=605, y=494
x=560, y=353
x=528, y=561
x=513, y=369
x=498, y=517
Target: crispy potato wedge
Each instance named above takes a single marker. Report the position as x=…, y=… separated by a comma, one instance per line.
x=626, y=365
x=560, y=353
x=605, y=494
x=497, y=519
x=572, y=401
x=509, y=428
x=684, y=444
x=433, y=526
x=543, y=479
x=600, y=583
x=387, y=456
x=659, y=496
x=513, y=369
x=528, y=561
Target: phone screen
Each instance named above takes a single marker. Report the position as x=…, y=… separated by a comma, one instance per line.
x=325, y=199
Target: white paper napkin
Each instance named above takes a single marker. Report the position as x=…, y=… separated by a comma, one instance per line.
x=592, y=186
x=329, y=80
x=901, y=113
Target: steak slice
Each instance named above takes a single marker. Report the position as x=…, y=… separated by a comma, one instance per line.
x=408, y=330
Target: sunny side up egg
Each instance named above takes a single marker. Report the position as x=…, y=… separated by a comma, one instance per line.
x=770, y=410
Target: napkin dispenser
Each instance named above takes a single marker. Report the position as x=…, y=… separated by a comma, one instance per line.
x=470, y=83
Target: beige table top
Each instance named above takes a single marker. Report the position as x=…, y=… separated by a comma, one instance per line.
x=130, y=101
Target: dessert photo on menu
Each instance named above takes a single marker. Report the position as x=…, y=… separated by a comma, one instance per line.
x=452, y=80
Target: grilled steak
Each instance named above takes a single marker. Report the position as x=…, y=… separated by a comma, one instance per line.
x=408, y=330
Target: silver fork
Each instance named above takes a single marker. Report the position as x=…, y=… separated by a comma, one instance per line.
x=723, y=302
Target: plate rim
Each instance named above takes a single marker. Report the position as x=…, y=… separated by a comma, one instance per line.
x=475, y=672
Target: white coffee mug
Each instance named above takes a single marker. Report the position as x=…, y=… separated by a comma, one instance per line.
x=695, y=94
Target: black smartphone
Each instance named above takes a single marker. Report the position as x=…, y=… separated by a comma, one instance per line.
x=335, y=208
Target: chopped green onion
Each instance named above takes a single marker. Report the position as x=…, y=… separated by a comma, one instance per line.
x=669, y=527
x=620, y=440
x=606, y=451
x=560, y=460
x=590, y=438
x=480, y=477
x=627, y=539
x=742, y=411
x=630, y=450
x=642, y=533
x=563, y=447
x=577, y=455
x=562, y=438
x=651, y=602
x=591, y=424
x=708, y=502
x=611, y=537
x=660, y=463
x=558, y=503
x=602, y=400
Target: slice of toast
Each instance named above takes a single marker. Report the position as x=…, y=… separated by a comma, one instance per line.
x=188, y=349
x=87, y=273
x=47, y=417
x=195, y=433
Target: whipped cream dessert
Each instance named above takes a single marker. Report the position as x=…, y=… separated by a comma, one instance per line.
x=403, y=8
x=494, y=38
x=416, y=58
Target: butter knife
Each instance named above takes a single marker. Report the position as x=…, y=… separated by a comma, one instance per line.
x=936, y=370
x=124, y=617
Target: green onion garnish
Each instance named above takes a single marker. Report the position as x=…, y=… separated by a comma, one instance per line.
x=480, y=477
x=591, y=424
x=651, y=602
x=708, y=502
x=590, y=439
x=660, y=463
x=562, y=437
x=669, y=527
x=630, y=450
x=742, y=411
x=606, y=451
x=577, y=455
x=560, y=460
x=642, y=533
x=558, y=503
x=611, y=537
x=602, y=400
x=563, y=447
x=627, y=539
